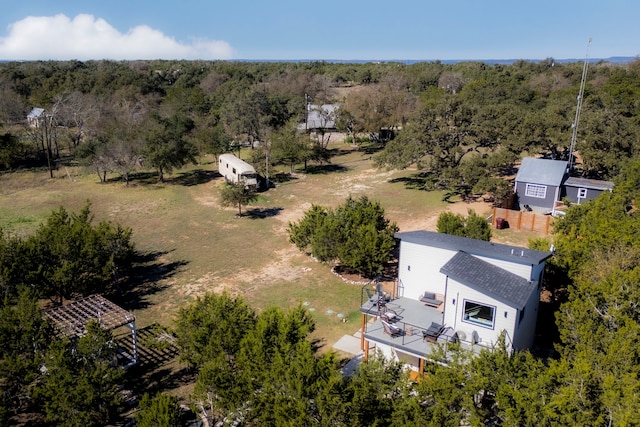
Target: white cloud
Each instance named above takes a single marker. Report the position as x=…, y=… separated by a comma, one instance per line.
x=86, y=37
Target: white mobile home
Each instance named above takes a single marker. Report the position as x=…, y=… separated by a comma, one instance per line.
x=236, y=170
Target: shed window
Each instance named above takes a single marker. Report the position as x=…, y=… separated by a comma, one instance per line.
x=479, y=314
x=582, y=193
x=534, y=190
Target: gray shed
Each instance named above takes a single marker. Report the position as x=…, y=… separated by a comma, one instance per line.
x=579, y=190
x=539, y=183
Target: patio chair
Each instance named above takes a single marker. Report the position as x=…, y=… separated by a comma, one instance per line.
x=432, y=332
x=389, y=316
x=391, y=330
x=371, y=295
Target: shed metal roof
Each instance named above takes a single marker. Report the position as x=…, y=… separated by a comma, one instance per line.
x=477, y=247
x=489, y=279
x=316, y=120
x=542, y=171
x=594, y=184
x=35, y=113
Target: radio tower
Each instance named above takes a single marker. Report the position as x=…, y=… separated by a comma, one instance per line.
x=574, y=125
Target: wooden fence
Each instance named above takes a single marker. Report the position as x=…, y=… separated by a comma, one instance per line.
x=521, y=220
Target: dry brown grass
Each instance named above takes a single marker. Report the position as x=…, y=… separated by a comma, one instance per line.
x=212, y=250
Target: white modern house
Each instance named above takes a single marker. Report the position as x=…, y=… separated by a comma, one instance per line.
x=454, y=289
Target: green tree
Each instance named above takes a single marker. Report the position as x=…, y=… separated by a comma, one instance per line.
x=356, y=233
x=10, y=150
x=473, y=226
x=597, y=371
x=80, y=386
x=372, y=392
x=161, y=410
x=24, y=335
x=450, y=223
x=70, y=256
x=288, y=146
x=477, y=227
x=212, y=325
x=236, y=194
x=167, y=144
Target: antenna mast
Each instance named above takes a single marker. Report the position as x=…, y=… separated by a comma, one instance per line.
x=574, y=125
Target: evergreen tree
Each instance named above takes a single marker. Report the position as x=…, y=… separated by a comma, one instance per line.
x=356, y=233
x=473, y=227
x=236, y=194
x=161, y=410
x=24, y=335
x=70, y=256
x=80, y=386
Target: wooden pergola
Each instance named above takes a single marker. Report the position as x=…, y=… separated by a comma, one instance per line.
x=70, y=320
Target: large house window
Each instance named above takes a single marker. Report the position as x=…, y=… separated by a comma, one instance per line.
x=479, y=314
x=535, y=190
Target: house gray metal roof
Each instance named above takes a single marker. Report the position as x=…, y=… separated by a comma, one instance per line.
x=316, y=120
x=594, y=184
x=489, y=279
x=482, y=248
x=542, y=171
x=35, y=113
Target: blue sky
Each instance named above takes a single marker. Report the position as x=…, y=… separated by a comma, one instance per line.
x=328, y=29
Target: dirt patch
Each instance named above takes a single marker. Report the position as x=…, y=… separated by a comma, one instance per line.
x=430, y=223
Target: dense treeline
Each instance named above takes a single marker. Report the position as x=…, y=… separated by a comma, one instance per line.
x=464, y=125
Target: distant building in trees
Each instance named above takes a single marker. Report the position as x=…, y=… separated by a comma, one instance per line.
x=320, y=117
x=35, y=116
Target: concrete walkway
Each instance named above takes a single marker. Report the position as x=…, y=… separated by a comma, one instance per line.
x=350, y=344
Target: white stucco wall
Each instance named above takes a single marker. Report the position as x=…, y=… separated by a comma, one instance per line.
x=505, y=317
x=419, y=269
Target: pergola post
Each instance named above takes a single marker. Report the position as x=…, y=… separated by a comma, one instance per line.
x=134, y=341
x=364, y=320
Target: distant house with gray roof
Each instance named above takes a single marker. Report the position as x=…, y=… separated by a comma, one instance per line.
x=321, y=117
x=455, y=289
x=542, y=183
x=35, y=116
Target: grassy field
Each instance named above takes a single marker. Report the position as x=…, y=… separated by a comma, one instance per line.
x=197, y=246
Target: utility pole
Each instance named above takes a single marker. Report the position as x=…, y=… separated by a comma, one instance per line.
x=574, y=125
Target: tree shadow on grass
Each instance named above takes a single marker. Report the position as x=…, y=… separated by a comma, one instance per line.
x=371, y=148
x=337, y=152
x=281, y=177
x=414, y=182
x=138, y=178
x=189, y=178
x=260, y=213
x=145, y=279
x=325, y=168
x=317, y=344
x=194, y=177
